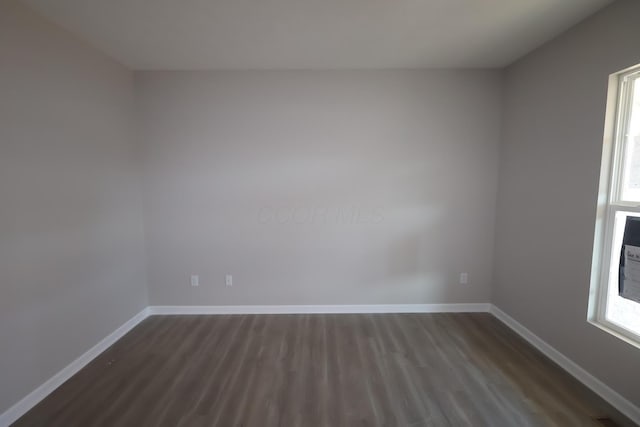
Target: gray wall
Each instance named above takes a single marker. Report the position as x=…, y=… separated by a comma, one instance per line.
x=331, y=187
x=71, y=247
x=309, y=187
x=554, y=112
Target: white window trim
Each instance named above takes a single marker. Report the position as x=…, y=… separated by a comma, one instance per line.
x=609, y=204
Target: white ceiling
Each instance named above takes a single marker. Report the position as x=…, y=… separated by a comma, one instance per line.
x=247, y=34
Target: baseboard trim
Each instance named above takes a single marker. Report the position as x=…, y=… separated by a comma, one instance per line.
x=37, y=395
x=318, y=309
x=604, y=391
x=33, y=398
x=616, y=400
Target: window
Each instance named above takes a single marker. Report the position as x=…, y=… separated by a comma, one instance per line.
x=618, y=203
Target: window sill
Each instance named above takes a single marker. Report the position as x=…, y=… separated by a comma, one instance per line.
x=617, y=331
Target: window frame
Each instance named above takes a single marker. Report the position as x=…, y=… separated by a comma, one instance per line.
x=610, y=201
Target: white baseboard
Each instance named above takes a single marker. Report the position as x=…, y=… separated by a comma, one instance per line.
x=604, y=391
x=597, y=386
x=319, y=309
x=33, y=398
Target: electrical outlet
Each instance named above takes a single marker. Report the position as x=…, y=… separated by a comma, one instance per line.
x=464, y=278
x=228, y=280
x=195, y=280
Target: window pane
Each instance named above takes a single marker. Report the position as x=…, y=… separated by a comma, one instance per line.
x=621, y=311
x=631, y=170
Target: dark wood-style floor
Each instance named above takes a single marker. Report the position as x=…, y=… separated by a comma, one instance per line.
x=405, y=370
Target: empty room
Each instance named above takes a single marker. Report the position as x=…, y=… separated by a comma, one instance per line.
x=320, y=213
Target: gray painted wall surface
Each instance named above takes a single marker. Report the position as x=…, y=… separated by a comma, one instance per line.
x=310, y=187
x=320, y=187
x=554, y=112
x=71, y=242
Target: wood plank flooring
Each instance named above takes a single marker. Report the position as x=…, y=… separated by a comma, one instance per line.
x=405, y=370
